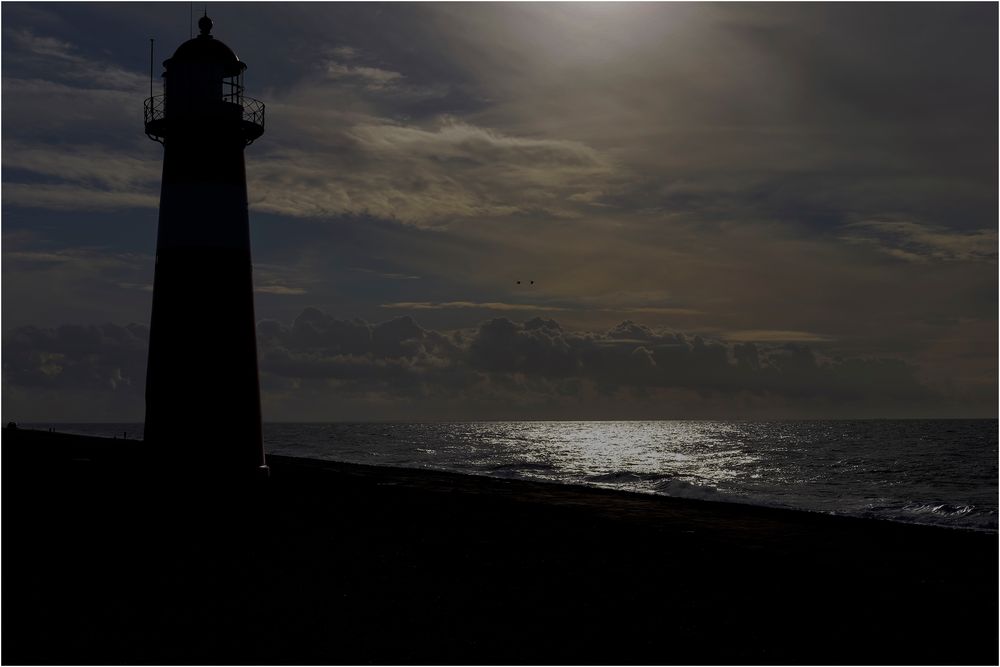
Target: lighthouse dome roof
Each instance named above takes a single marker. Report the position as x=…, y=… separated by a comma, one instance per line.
x=206, y=49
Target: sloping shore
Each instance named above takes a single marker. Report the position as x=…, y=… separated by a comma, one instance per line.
x=113, y=556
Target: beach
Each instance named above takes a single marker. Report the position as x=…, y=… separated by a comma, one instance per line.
x=114, y=555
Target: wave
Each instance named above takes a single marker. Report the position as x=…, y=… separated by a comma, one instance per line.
x=682, y=489
x=618, y=476
x=515, y=466
x=662, y=485
x=943, y=509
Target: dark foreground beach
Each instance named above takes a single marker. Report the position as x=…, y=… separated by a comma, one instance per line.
x=110, y=556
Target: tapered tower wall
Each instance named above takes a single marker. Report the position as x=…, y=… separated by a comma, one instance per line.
x=202, y=387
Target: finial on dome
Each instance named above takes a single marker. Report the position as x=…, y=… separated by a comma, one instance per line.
x=205, y=25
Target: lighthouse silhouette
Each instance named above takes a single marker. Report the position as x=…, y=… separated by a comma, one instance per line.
x=202, y=388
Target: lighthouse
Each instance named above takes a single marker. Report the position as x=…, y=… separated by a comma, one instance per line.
x=202, y=387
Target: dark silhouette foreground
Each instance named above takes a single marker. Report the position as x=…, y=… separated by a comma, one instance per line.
x=109, y=558
x=203, y=312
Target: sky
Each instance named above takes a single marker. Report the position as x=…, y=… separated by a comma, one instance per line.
x=734, y=210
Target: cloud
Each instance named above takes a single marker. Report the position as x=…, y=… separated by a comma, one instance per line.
x=89, y=259
x=787, y=125
x=74, y=373
x=372, y=77
x=657, y=310
x=534, y=365
x=47, y=112
x=60, y=60
x=42, y=46
x=344, y=52
x=914, y=242
x=279, y=289
x=654, y=162
x=450, y=305
x=500, y=305
x=400, y=358
x=67, y=197
x=281, y=279
x=145, y=287
x=47, y=285
x=105, y=358
x=764, y=335
x=53, y=93
x=452, y=173
x=85, y=164
x=384, y=274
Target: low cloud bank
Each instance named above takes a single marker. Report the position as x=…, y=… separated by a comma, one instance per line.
x=318, y=364
x=399, y=356
x=93, y=358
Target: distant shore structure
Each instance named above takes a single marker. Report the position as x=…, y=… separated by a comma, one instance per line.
x=202, y=385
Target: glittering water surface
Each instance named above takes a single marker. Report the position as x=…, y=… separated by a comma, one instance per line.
x=925, y=471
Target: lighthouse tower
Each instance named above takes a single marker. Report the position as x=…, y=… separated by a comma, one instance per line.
x=202, y=389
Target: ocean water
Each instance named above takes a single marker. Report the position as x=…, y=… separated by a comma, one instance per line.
x=941, y=472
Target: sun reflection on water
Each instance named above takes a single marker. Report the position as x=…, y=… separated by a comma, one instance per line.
x=643, y=454
x=927, y=471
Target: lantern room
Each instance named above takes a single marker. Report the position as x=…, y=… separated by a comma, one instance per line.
x=203, y=89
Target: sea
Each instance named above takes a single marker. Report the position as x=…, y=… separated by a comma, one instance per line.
x=940, y=472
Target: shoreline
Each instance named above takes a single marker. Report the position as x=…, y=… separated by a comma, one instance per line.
x=101, y=441
x=332, y=563
x=552, y=487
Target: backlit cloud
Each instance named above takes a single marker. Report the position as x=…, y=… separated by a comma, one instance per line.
x=489, y=305
x=372, y=77
x=528, y=364
x=279, y=289
x=737, y=172
x=451, y=173
x=914, y=242
x=780, y=336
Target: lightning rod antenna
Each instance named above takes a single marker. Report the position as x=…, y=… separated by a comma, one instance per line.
x=151, y=66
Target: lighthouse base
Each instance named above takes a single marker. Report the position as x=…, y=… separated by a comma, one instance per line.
x=202, y=390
